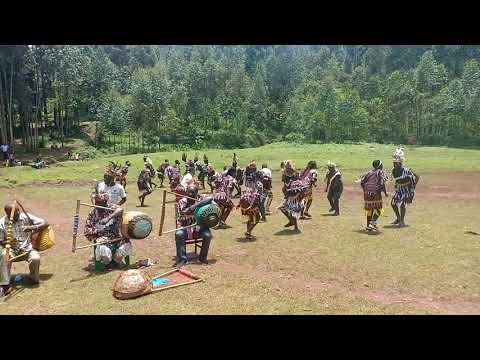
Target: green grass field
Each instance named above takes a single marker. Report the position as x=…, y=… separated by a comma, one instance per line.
x=331, y=267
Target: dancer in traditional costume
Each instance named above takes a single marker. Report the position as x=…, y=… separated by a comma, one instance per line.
x=294, y=191
x=144, y=187
x=121, y=174
x=202, y=171
x=310, y=176
x=267, y=187
x=222, y=195
x=250, y=207
x=186, y=208
x=373, y=184
x=334, y=187
x=250, y=170
x=405, y=183
x=210, y=177
x=161, y=171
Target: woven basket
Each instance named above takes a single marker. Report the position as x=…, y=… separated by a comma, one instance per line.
x=44, y=239
x=131, y=284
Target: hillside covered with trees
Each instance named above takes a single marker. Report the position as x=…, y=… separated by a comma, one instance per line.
x=241, y=96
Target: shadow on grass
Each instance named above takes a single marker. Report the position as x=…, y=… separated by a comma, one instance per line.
x=392, y=226
x=247, y=240
x=366, y=232
x=329, y=214
x=287, y=232
x=140, y=206
x=472, y=232
x=192, y=259
x=90, y=268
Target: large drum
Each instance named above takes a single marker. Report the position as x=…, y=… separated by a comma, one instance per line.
x=44, y=239
x=207, y=215
x=136, y=225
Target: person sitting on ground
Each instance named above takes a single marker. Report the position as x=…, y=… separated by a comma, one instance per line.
x=39, y=163
x=24, y=225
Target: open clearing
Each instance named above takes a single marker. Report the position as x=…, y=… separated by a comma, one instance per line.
x=331, y=267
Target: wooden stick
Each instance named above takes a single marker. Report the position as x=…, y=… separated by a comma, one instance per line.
x=99, y=243
x=97, y=206
x=180, y=228
x=165, y=274
x=18, y=256
x=176, y=285
x=163, y=213
x=174, y=193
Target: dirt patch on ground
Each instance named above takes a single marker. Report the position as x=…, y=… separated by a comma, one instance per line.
x=389, y=298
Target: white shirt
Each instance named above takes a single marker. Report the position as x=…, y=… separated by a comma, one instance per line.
x=4, y=148
x=115, y=192
x=266, y=172
x=24, y=238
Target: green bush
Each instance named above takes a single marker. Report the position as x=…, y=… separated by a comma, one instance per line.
x=295, y=138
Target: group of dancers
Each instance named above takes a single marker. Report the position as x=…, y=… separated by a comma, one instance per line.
x=255, y=201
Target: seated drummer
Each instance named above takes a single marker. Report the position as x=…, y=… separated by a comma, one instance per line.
x=21, y=244
x=186, y=208
x=104, y=224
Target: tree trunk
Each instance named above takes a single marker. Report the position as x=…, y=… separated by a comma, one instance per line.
x=12, y=140
x=3, y=121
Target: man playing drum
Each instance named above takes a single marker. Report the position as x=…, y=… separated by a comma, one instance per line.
x=103, y=225
x=112, y=195
x=186, y=208
x=23, y=226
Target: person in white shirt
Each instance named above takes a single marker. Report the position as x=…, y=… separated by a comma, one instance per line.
x=23, y=226
x=116, y=192
x=267, y=186
x=4, y=148
x=110, y=194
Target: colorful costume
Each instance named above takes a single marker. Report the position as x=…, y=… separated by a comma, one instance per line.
x=373, y=183
x=185, y=218
x=405, y=183
x=250, y=203
x=222, y=195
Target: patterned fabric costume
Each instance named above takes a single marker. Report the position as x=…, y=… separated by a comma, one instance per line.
x=405, y=183
x=373, y=183
x=95, y=230
x=222, y=194
x=250, y=171
x=250, y=206
x=310, y=177
x=143, y=181
x=294, y=202
x=185, y=218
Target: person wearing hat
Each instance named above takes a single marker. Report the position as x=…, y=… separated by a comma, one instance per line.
x=405, y=183
x=334, y=187
x=373, y=183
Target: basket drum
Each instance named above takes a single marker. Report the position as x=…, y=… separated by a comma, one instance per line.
x=131, y=284
x=44, y=239
x=136, y=225
x=207, y=215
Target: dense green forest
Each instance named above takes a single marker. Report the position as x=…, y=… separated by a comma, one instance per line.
x=241, y=96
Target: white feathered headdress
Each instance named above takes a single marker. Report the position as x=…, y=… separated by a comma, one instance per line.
x=399, y=155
